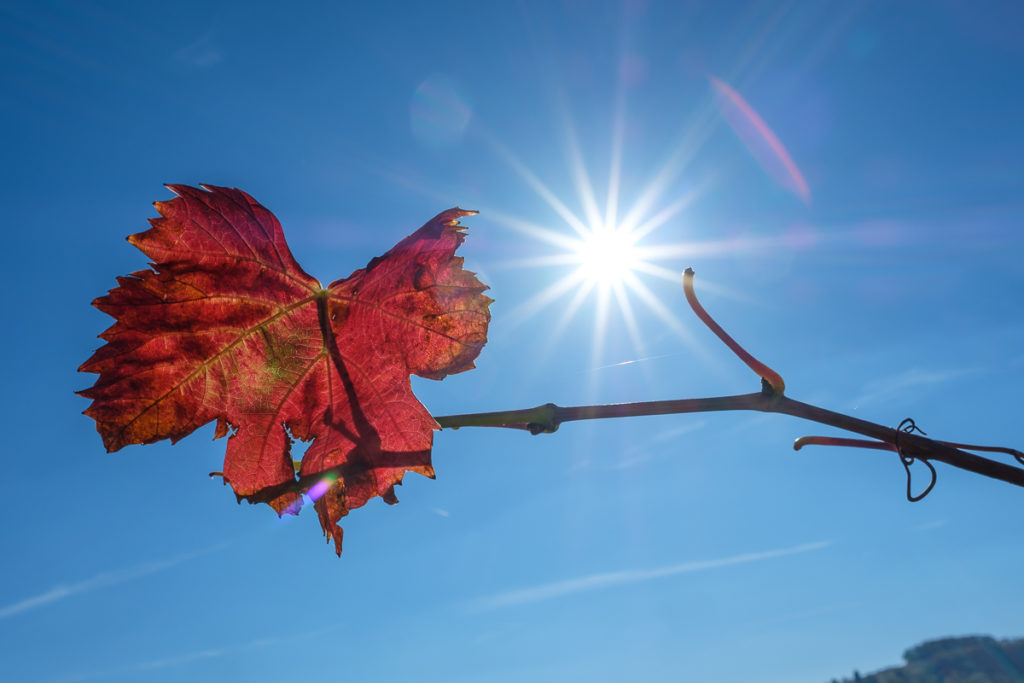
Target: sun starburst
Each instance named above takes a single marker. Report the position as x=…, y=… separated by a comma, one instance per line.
x=608, y=256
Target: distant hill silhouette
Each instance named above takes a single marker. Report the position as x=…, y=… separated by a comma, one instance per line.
x=971, y=659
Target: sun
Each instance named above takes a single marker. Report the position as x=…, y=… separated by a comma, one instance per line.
x=607, y=256
x=608, y=252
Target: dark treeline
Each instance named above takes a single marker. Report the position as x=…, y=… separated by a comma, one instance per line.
x=971, y=659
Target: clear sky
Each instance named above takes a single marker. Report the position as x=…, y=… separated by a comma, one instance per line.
x=846, y=179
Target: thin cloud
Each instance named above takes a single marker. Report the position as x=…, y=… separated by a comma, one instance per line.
x=189, y=657
x=913, y=379
x=592, y=582
x=101, y=580
x=655, y=446
x=200, y=54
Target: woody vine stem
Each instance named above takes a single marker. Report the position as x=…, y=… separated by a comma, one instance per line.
x=906, y=440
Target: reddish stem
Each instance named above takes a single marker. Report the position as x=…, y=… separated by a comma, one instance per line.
x=840, y=441
x=773, y=378
x=881, y=446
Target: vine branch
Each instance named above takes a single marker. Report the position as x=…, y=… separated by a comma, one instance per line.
x=771, y=399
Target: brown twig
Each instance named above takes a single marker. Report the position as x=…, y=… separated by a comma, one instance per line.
x=910, y=446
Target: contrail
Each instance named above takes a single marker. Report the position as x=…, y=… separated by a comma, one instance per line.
x=101, y=580
x=591, y=582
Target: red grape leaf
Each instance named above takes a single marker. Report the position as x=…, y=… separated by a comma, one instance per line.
x=227, y=326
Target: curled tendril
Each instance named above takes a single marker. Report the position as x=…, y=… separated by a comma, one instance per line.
x=908, y=426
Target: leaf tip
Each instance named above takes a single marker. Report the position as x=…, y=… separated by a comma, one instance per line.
x=335, y=534
x=450, y=218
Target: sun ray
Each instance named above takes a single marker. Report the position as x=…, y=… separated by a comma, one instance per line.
x=695, y=135
x=540, y=300
x=664, y=252
x=626, y=309
x=716, y=288
x=579, y=171
x=658, y=308
x=693, y=344
x=706, y=285
x=547, y=235
x=537, y=186
x=618, y=133
x=548, y=260
x=670, y=170
x=568, y=313
x=707, y=248
x=659, y=271
x=684, y=250
x=668, y=213
x=600, y=325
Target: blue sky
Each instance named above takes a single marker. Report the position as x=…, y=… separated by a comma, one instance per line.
x=875, y=261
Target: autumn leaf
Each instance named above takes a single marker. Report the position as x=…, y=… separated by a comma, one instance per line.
x=226, y=326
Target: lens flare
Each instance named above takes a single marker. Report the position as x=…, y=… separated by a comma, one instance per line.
x=759, y=139
x=439, y=113
x=320, y=488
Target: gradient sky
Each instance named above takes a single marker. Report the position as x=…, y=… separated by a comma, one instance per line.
x=846, y=179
